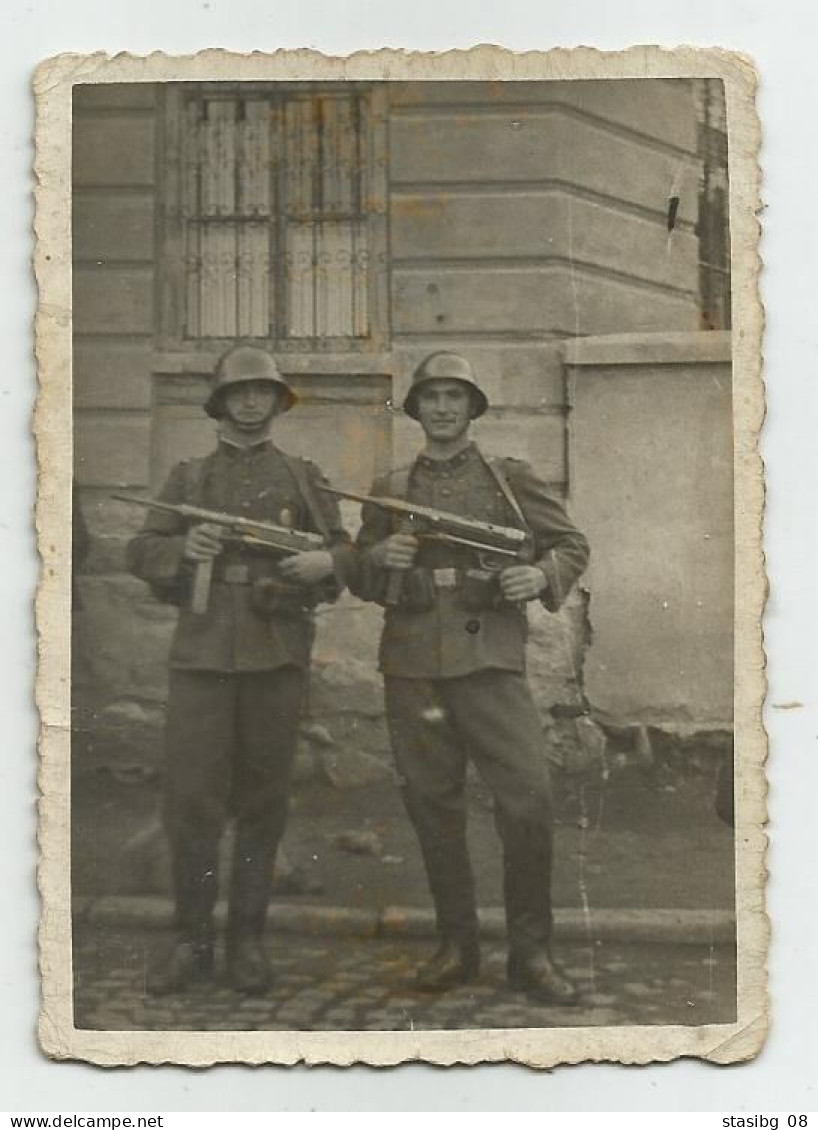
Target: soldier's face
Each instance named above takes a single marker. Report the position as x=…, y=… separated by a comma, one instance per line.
x=251, y=405
x=444, y=409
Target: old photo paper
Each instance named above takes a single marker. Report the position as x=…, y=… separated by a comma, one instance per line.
x=476, y=773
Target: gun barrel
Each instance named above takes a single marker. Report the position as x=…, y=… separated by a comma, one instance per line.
x=137, y=500
x=350, y=494
x=454, y=526
x=254, y=533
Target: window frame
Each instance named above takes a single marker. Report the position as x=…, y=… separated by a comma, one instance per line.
x=171, y=282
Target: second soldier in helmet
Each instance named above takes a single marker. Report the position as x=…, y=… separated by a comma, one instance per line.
x=453, y=660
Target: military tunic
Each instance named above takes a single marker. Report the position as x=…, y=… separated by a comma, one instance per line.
x=253, y=482
x=237, y=679
x=455, y=686
x=448, y=640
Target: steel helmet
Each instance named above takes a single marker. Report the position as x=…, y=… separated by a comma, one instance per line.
x=243, y=363
x=445, y=366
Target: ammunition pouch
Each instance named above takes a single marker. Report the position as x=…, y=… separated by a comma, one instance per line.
x=175, y=591
x=478, y=590
x=418, y=593
x=271, y=597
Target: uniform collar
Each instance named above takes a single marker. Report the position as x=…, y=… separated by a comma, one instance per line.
x=454, y=463
x=246, y=451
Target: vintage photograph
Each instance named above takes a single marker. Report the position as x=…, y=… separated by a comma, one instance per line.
x=401, y=445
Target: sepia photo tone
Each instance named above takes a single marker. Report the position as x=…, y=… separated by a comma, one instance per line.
x=403, y=559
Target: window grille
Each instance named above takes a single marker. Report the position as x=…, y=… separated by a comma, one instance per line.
x=275, y=236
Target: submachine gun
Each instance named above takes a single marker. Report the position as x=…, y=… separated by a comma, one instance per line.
x=496, y=546
x=247, y=532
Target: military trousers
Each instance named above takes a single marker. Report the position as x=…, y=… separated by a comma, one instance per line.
x=230, y=746
x=435, y=727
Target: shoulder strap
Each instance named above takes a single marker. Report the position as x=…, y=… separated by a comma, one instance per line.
x=193, y=471
x=498, y=468
x=298, y=470
x=399, y=482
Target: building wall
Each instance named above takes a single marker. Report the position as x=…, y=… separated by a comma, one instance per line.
x=515, y=222
x=652, y=484
x=114, y=184
x=114, y=191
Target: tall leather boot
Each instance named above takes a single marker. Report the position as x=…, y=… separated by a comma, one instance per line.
x=534, y=973
x=189, y=957
x=454, y=962
x=248, y=965
x=183, y=965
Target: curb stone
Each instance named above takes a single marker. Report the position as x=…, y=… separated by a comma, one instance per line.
x=662, y=925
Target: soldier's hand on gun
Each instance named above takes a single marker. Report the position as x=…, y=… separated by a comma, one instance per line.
x=307, y=568
x=203, y=542
x=522, y=582
x=396, y=552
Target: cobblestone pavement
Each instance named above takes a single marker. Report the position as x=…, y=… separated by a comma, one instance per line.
x=346, y=983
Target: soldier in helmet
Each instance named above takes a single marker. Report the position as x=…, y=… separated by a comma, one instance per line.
x=453, y=659
x=238, y=671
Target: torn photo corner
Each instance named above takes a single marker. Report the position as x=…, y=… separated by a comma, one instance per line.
x=470, y=771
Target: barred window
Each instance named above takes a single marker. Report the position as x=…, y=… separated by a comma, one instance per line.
x=276, y=203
